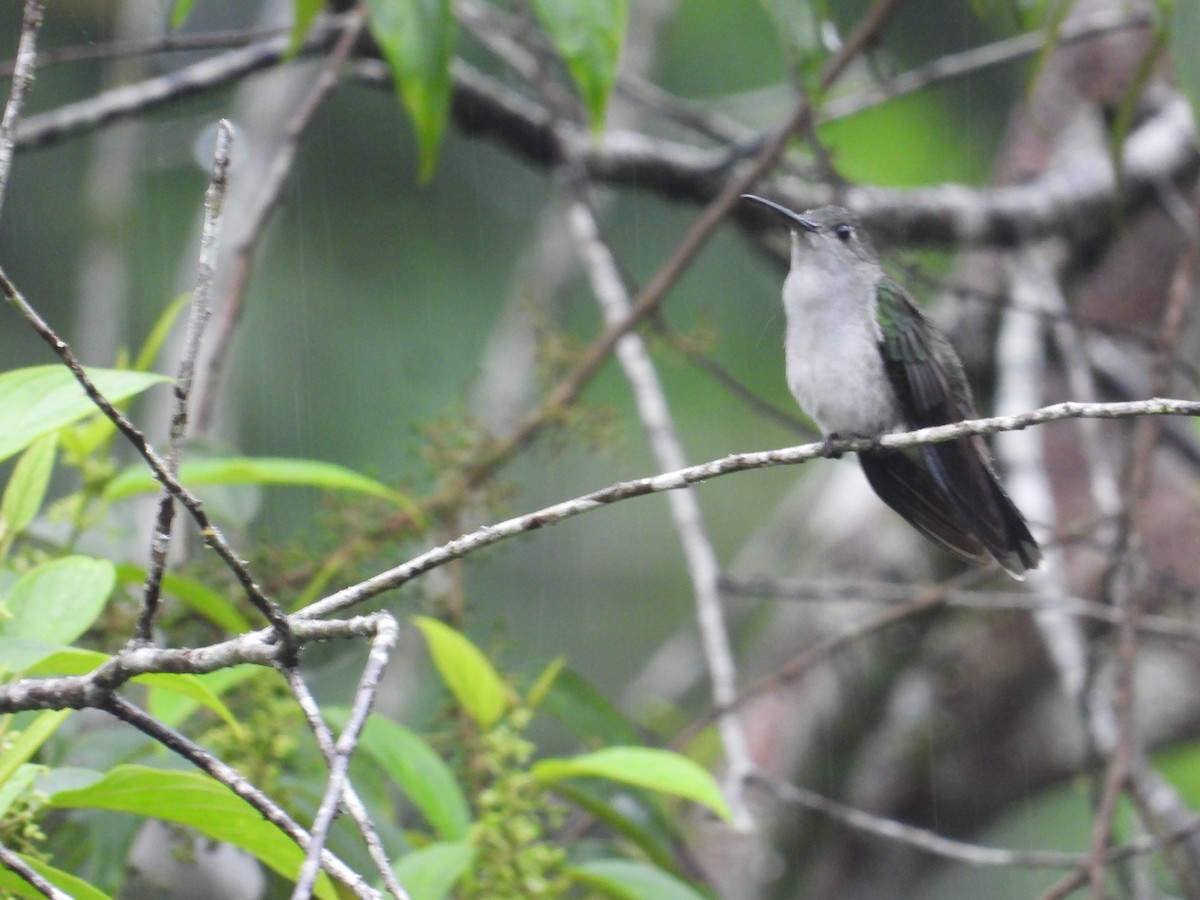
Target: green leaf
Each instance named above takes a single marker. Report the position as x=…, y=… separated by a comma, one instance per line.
x=545, y=681
x=255, y=470
x=21, y=654
x=30, y=740
x=72, y=885
x=180, y=13
x=197, y=801
x=158, y=334
x=1185, y=37
x=626, y=879
x=213, y=605
x=588, y=35
x=417, y=770
x=58, y=601
x=648, y=767
x=304, y=13
x=41, y=399
x=27, y=485
x=466, y=671
x=171, y=707
x=577, y=704
x=192, y=687
x=17, y=783
x=431, y=872
x=417, y=39
x=627, y=811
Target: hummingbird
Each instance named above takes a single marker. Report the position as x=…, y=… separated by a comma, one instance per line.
x=862, y=360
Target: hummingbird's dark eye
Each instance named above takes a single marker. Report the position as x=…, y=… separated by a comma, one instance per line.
x=844, y=232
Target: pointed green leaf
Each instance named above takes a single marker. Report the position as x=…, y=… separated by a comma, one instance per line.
x=190, y=686
x=417, y=770
x=179, y=14
x=545, y=681
x=27, y=485
x=159, y=332
x=41, y=399
x=58, y=601
x=577, y=704
x=417, y=39
x=648, y=767
x=30, y=740
x=465, y=670
x=211, y=604
x=172, y=707
x=588, y=35
x=626, y=879
x=304, y=12
x=197, y=801
x=21, y=654
x=256, y=470
x=73, y=886
x=627, y=811
x=431, y=872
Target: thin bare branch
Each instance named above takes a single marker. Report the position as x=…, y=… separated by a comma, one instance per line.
x=325, y=741
x=657, y=422
x=978, y=59
x=22, y=869
x=23, y=68
x=338, y=786
x=232, y=779
x=259, y=648
x=201, y=309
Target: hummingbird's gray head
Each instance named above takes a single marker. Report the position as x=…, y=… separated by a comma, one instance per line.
x=831, y=232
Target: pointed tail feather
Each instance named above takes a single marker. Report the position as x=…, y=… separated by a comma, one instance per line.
x=912, y=492
x=968, y=482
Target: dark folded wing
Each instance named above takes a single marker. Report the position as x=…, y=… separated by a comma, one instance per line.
x=932, y=389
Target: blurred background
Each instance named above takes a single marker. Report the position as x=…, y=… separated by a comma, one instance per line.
x=390, y=326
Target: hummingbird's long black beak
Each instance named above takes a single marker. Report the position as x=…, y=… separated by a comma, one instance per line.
x=806, y=224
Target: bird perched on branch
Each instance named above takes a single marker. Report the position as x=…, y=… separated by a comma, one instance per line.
x=863, y=360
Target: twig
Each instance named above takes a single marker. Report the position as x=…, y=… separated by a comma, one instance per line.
x=135, y=99
x=167, y=43
x=212, y=535
x=702, y=565
x=922, y=839
x=232, y=779
x=738, y=462
x=971, y=854
x=354, y=804
x=786, y=418
x=23, y=870
x=22, y=78
x=338, y=785
x=976, y=59
x=269, y=193
x=201, y=309
x=1125, y=582
x=260, y=648
x=1079, y=877
x=1162, y=627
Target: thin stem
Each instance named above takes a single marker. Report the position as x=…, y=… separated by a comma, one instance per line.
x=201, y=309
x=22, y=78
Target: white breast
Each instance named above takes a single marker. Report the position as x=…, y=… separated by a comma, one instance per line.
x=834, y=368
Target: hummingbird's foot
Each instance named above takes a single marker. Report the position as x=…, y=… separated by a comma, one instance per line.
x=827, y=449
